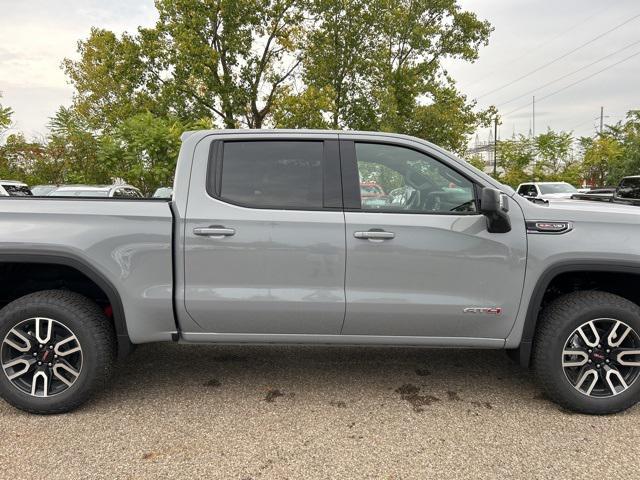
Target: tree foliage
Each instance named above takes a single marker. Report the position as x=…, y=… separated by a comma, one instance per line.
x=347, y=64
x=356, y=64
x=5, y=117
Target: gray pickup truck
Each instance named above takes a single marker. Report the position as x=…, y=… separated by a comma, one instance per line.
x=268, y=240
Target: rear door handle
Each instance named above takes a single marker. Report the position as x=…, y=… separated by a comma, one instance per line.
x=214, y=231
x=375, y=235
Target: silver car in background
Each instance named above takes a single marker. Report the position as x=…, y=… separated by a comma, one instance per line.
x=105, y=191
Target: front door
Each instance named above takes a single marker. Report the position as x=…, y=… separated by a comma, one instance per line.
x=420, y=261
x=264, y=242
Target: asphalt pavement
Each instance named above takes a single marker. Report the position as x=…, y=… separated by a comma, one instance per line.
x=247, y=412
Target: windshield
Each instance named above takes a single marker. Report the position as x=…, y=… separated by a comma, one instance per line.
x=547, y=188
x=43, y=190
x=79, y=193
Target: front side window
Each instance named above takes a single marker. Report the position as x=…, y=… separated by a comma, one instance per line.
x=397, y=179
x=273, y=174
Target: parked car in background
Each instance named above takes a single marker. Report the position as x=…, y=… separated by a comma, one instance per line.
x=546, y=190
x=596, y=194
x=163, y=192
x=627, y=192
x=14, y=188
x=43, y=190
x=117, y=191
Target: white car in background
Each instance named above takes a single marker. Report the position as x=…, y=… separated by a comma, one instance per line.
x=13, y=188
x=546, y=190
x=115, y=191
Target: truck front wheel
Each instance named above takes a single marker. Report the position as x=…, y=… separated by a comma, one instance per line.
x=57, y=349
x=586, y=352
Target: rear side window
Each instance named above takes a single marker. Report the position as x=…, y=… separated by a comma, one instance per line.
x=629, y=188
x=272, y=174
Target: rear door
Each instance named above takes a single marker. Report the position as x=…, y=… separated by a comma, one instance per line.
x=264, y=237
x=420, y=261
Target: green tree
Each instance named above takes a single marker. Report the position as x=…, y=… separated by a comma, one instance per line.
x=19, y=157
x=5, y=118
x=627, y=133
x=223, y=59
x=143, y=151
x=553, y=152
x=72, y=150
x=477, y=161
x=381, y=63
x=308, y=109
x=515, y=160
x=603, y=160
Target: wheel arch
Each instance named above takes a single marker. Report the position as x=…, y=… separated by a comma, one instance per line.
x=66, y=259
x=548, y=276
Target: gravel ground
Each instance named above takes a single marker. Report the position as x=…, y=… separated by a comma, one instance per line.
x=178, y=411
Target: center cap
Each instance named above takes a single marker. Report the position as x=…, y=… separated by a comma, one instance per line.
x=45, y=355
x=598, y=355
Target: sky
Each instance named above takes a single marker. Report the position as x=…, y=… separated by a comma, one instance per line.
x=553, y=38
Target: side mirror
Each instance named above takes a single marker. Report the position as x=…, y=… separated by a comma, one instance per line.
x=494, y=205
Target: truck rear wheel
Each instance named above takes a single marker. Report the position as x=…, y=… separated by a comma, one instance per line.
x=57, y=348
x=586, y=352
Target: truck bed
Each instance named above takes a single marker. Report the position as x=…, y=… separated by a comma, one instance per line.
x=128, y=242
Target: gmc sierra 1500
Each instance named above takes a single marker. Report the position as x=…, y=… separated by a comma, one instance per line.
x=267, y=240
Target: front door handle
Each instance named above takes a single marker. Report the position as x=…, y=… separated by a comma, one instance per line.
x=375, y=235
x=214, y=231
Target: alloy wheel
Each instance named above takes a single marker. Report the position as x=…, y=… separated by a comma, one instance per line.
x=41, y=357
x=601, y=358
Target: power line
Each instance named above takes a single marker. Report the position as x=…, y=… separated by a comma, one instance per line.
x=568, y=74
x=541, y=44
x=551, y=62
x=574, y=83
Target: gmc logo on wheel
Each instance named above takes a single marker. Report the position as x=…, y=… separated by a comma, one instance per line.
x=487, y=310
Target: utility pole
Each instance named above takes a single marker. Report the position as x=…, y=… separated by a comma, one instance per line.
x=495, y=146
x=534, y=116
x=601, y=119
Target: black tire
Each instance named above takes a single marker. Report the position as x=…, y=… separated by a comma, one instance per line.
x=557, y=322
x=94, y=333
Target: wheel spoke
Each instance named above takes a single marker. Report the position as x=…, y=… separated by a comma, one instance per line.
x=615, y=380
x=628, y=352
x=584, y=358
x=63, y=353
x=26, y=343
x=585, y=376
x=25, y=361
x=594, y=332
x=64, y=367
x=43, y=329
x=616, y=338
x=40, y=377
